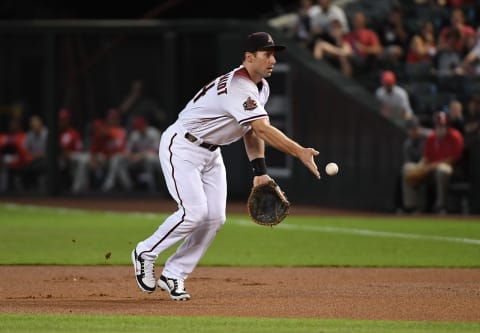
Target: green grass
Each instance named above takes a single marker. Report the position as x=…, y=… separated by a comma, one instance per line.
x=34, y=235
x=138, y=324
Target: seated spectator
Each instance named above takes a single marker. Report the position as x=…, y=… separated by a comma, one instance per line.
x=142, y=153
x=455, y=114
x=472, y=120
x=301, y=30
x=413, y=144
x=365, y=44
x=36, y=144
x=73, y=158
x=394, y=100
x=98, y=161
x=332, y=47
x=296, y=24
x=324, y=14
x=13, y=156
x=471, y=127
x=114, y=153
x=471, y=62
x=447, y=61
x=394, y=37
x=454, y=43
x=442, y=153
x=423, y=46
x=412, y=153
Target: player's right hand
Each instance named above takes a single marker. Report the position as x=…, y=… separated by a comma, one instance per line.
x=307, y=157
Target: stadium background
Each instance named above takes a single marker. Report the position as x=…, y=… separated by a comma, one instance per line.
x=182, y=45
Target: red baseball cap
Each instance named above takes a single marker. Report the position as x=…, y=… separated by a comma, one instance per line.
x=388, y=77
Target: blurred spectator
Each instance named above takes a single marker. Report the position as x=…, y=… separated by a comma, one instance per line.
x=142, y=148
x=471, y=62
x=472, y=130
x=394, y=36
x=448, y=61
x=98, y=152
x=138, y=103
x=413, y=144
x=13, y=156
x=73, y=159
x=36, y=144
x=365, y=44
x=454, y=42
x=412, y=154
x=301, y=30
x=323, y=14
x=111, y=152
x=423, y=46
x=455, y=114
x=296, y=24
x=442, y=153
x=332, y=47
x=394, y=100
x=472, y=120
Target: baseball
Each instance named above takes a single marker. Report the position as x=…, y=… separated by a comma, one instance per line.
x=331, y=169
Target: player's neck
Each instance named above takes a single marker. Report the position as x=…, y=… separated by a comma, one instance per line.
x=251, y=74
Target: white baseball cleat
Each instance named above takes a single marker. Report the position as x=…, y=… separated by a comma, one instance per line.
x=175, y=288
x=144, y=273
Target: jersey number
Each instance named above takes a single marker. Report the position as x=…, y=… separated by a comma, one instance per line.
x=203, y=91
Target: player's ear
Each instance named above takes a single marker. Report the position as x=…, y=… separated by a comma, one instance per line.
x=249, y=56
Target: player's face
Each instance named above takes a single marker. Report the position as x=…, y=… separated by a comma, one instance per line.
x=264, y=62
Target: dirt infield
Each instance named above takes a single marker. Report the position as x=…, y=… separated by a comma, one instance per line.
x=358, y=293
x=390, y=294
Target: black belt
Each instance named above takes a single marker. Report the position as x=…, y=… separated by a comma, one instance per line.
x=205, y=145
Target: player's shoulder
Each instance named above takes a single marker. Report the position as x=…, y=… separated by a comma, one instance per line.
x=242, y=78
x=241, y=82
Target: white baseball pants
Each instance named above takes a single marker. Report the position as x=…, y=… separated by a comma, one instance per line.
x=196, y=179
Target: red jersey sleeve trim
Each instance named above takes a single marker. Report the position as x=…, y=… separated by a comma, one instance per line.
x=246, y=120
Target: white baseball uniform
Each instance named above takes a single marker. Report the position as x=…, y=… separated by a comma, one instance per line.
x=219, y=114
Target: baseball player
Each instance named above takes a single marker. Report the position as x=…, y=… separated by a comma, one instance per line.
x=225, y=110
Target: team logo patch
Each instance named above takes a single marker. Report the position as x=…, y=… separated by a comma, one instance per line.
x=249, y=104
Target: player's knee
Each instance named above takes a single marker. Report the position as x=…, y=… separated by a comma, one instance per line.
x=217, y=220
x=197, y=213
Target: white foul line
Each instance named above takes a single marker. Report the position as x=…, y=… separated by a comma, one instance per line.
x=366, y=232
x=244, y=223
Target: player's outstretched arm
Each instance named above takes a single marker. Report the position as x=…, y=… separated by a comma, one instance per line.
x=255, y=148
x=277, y=139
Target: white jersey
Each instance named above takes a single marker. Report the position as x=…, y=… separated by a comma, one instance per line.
x=221, y=112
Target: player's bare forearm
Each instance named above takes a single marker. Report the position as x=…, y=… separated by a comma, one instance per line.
x=277, y=139
x=254, y=146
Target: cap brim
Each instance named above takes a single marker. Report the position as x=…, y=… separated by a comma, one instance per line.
x=276, y=48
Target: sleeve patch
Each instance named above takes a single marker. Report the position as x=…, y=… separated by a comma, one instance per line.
x=249, y=104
